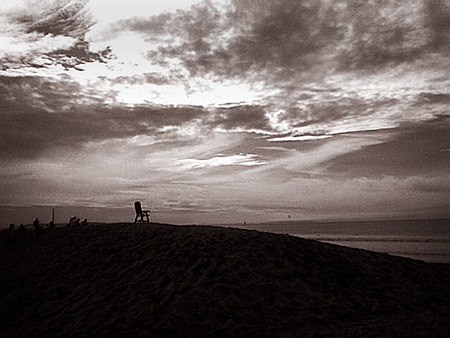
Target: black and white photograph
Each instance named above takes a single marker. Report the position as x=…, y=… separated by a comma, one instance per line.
x=225, y=168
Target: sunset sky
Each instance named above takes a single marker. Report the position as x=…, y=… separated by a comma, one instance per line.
x=225, y=111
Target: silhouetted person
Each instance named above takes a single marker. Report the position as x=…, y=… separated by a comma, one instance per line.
x=85, y=222
x=77, y=222
x=37, y=227
x=21, y=230
x=11, y=226
x=72, y=221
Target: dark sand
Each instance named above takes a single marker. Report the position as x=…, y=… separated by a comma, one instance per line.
x=125, y=280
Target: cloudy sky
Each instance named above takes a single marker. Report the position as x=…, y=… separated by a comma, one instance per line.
x=226, y=111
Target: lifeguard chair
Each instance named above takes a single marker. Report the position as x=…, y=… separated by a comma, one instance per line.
x=140, y=214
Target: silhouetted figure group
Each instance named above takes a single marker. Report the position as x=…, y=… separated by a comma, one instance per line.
x=38, y=228
x=75, y=222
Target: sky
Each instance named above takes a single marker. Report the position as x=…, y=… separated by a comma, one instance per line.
x=224, y=111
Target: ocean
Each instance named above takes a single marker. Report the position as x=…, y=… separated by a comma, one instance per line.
x=427, y=240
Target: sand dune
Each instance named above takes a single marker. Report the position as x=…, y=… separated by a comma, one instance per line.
x=124, y=280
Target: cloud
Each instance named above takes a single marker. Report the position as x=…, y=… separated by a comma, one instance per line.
x=154, y=26
x=413, y=149
x=241, y=118
x=433, y=98
x=380, y=35
x=295, y=38
x=78, y=54
x=69, y=18
x=209, y=40
x=333, y=108
x=246, y=160
x=277, y=51
x=38, y=116
x=438, y=20
x=195, y=37
x=310, y=68
x=154, y=78
x=432, y=185
x=300, y=138
x=47, y=34
x=285, y=36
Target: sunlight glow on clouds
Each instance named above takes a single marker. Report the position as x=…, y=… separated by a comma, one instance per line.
x=299, y=138
x=244, y=160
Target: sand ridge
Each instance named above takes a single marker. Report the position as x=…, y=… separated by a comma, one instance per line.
x=158, y=280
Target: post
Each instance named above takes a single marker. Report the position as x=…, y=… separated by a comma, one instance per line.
x=53, y=216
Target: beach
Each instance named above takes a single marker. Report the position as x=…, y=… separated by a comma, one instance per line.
x=159, y=280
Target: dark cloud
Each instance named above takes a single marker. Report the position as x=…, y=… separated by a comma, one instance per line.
x=31, y=127
x=288, y=35
x=67, y=18
x=441, y=185
x=241, y=117
x=438, y=20
x=77, y=55
x=260, y=39
x=160, y=116
x=416, y=149
x=24, y=92
x=154, y=26
x=39, y=115
x=389, y=33
x=27, y=132
x=50, y=21
x=154, y=78
x=379, y=35
x=198, y=29
x=286, y=38
x=30, y=132
x=387, y=48
x=432, y=98
x=332, y=109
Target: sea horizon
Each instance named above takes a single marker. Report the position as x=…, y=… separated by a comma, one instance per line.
x=423, y=239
